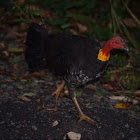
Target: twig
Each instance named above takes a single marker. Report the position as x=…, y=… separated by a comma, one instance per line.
x=118, y=22
x=129, y=37
x=23, y=13
x=130, y=12
x=137, y=92
x=118, y=81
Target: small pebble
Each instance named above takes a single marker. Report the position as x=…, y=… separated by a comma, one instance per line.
x=2, y=122
x=55, y=123
x=34, y=127
x=127, y=126
x=12, y=124
x=19, y=126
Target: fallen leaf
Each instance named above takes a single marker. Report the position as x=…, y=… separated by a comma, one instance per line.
x=29, y=94
x=74, y=32
x=38, y=99
x=91, y=86
x=137, y=93
x=15, y=66
x=72, y=136
x=129, y=22
x=20, y=2
x=19, y=34
x=15, y=50
x=23, y=27
x=108, y=86
x=81, y=27
x=9, y=80
x=2, y=45
x=101, y=22
x=122, y=105
x=34, y=75
x=97, y=96
x=6, y=53
x=55, y=123
x=8, y=73
x=49, y=108
x=124, y=99
x=138, y=98
x=24, y=98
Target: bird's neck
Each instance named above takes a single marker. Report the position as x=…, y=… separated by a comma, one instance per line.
x=104, y=53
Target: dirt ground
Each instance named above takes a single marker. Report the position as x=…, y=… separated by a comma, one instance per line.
x=27, y=113
x=27, y=119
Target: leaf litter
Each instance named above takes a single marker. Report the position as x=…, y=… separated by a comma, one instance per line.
x=27, y=96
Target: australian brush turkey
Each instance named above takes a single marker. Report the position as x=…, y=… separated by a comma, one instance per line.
x=77, y=59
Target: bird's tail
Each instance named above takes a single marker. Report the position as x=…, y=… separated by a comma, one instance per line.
x=35, y=41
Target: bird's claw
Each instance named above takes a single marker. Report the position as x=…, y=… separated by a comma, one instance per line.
x=58, y=93
x=86, y=118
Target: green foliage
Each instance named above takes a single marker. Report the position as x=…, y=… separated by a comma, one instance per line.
x=79, y=17
x=87, y=104
x=18, y=60
x=119, y=61
x=105, y=12
x=78, y=93
x=18, y=20
x=62, y=9
x=25, y=15
x=58, y=22
x=65, y=26
x=36, y=13
x=107, y=74
x=137, y=56
x=7, y=4
x=137, y=33
x=29, y=82
x=89, y=8
x=96, y=17
x=66, y=86
x=100, y=93
x=102, y=33
x=131, y=82
x=117, y=4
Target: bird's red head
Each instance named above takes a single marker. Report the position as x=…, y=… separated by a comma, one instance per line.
x=113, y=43
x=117, y=43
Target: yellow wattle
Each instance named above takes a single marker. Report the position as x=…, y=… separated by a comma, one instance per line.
x=102, y=56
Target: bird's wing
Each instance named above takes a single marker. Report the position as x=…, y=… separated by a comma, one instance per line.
x=73, y=57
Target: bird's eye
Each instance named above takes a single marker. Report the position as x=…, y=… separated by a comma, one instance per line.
x=117, y=42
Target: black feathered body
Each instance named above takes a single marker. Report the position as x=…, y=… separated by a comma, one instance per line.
x=70, y=56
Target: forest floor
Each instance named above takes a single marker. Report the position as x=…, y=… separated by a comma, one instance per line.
x=27, y=113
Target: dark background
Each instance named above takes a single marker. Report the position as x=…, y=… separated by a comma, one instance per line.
x=22, y=92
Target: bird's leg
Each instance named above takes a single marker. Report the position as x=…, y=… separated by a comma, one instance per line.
x=58, y=92
x=81, y=114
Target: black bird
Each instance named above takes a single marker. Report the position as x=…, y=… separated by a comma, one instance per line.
x=77, y=59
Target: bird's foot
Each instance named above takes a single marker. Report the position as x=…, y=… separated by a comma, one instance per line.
x=86, y=118
x=58, y=92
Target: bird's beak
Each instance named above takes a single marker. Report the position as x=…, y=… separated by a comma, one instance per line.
x=124, y=47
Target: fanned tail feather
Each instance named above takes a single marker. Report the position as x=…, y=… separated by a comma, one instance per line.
x=35, y=42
